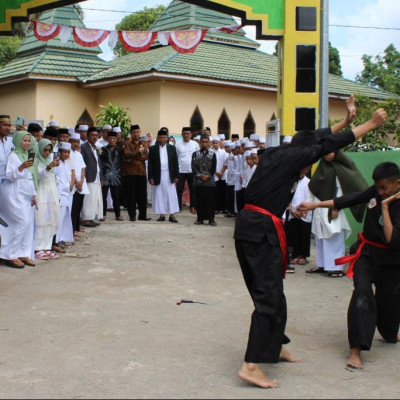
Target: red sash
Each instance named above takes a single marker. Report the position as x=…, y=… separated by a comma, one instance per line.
x=354, y=257
x=278, y=223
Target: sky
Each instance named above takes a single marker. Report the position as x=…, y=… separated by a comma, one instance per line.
x=352, y=43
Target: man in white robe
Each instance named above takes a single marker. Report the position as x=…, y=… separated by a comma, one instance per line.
x=163, y=175
x=65, y=231
x=93, y=202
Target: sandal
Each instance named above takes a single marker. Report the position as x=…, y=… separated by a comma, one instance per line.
x=28, y=261
x=42, y=255
x=58, y=249
x=336, y=274
x=294, y=260
x=302, y=261
x=315, y=270
x=52, y=256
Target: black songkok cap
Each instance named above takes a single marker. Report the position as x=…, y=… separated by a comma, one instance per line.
x=235, y=136
x=112, y=134
x=135, y=127
x=204, y=136
x=34, y=128
x=93, y=129
x=63, y=131
x=51, y=132
x=163, y=132
x=186, y=129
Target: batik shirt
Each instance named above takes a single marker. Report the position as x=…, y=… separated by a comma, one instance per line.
x=111, y=164
x=204, y=163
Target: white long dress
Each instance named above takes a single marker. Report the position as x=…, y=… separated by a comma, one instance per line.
x=16, y=195
x=47, y=216
x=165, y=197
x=329, y=236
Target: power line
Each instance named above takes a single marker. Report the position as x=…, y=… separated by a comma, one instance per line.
x=365, y=27
x=211, y=17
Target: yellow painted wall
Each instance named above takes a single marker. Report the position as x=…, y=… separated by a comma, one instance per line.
x=19, y=99
x=142, y=101
x=178, y=103
x=65, y=101
x=287, y=65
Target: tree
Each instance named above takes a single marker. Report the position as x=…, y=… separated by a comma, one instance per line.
x=139, y=21
x=382, y=72
x=335, y=67
x=115, y=116
x=8, y=49
x=376, y=140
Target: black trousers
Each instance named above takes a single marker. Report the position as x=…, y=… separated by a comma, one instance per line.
x=77, y=204
x=135, y=191
x=230, y=198
x=261, y=265
x=299, y=233
x=205, y=201
x=116, y=198
x=366, y=310
x=239, y=200
x=220, y=196
x=183, y=178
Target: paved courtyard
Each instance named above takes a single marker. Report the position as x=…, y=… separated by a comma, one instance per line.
x=106, y=324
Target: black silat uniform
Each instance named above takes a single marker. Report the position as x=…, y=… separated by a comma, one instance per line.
x=380, y=267
x=257, y=246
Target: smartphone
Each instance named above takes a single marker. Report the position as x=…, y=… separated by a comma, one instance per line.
x=56, y=154
x=20, y=121
x=31, y=156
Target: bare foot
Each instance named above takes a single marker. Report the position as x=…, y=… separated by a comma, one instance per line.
x=252, y=374
x=355, y=359
x=287, y=356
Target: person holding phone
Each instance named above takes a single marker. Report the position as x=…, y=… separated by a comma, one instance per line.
x=47, y=216
x=18, y=199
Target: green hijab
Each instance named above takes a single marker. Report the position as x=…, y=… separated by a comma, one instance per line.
x=23, y=154
x=323, y=182
x=40, y=158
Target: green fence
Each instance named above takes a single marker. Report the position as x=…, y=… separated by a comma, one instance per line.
x=366, y=162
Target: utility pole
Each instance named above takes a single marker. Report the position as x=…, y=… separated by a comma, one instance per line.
x=324, y=66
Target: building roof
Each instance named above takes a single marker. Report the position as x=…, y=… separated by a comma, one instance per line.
x=64, y=16
x=221, y=62
x=180, y=15
x=221, y=59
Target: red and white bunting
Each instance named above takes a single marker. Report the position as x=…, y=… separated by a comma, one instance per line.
x=230, y=28
x=90, y=37
x=187, y=41
x=137, y=41
x=45, y=32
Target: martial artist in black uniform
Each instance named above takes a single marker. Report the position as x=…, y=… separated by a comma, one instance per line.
x=377, y=261
x=260, y=240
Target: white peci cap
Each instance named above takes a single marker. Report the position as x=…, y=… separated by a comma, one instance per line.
x=64, y=146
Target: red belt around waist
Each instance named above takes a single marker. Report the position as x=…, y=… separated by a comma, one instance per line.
x=278, y=223
x=354, y=257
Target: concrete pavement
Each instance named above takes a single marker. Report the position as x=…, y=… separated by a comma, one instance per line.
x=107, y=326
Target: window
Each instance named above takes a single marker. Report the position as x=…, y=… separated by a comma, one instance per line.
x=305, y=119
x=224, y=125
x=197, y=122
x=306, y=19
x=306, y=58
x=249, y=125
